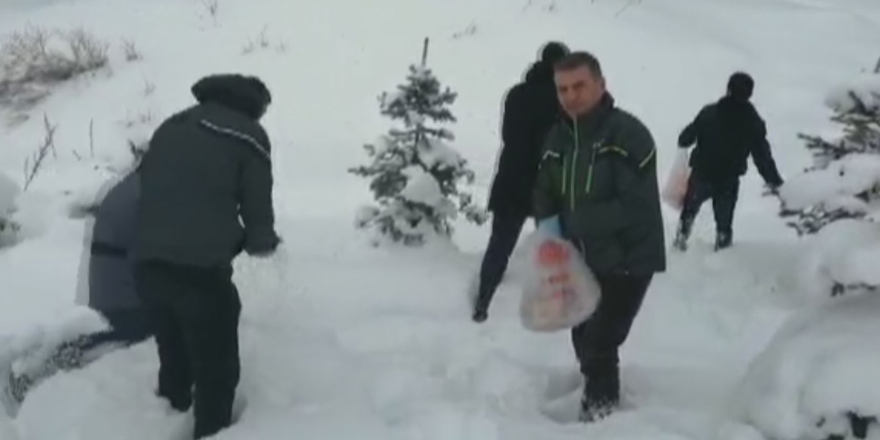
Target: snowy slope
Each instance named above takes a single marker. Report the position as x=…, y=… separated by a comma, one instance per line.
x=343, y=341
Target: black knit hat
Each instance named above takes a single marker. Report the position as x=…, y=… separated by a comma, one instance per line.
x=740, y=86
x=247, y=94
x=553, y=51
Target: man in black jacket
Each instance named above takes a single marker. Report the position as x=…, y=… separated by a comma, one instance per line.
x=597, y=183
x=530, y=109
x=207, y=171
x=726, y=133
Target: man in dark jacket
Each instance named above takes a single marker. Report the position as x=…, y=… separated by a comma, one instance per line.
x=530, y=109
x=110, y=289
x=597, y=185
x=726, y=133
x=207, y=171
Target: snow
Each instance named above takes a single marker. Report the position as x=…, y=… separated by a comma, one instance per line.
x=817, y=368
x=342, y=340
x=9, y=191
x=865, y=87
x=422, y=187
x=843, y=252
x=437, y=153
x=835, y=186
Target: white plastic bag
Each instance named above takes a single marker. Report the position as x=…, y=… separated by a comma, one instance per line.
x=677, y=181
x=560, y=291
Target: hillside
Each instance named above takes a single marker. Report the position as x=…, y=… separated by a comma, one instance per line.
x=342, y=341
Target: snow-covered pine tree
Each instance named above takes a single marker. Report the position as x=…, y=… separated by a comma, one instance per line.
x=844, y=181
x=414, y=173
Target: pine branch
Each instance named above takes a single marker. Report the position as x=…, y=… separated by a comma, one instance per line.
x=861, y=135
x=811, y=220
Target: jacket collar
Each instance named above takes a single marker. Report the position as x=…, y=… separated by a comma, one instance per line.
x=592, y=118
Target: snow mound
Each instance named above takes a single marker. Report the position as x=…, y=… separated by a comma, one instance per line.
x=843, y=254
x=817, y=374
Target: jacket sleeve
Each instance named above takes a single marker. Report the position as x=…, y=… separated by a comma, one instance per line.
x=762, y=156
x=512, y=127
x=546, y=196
x=255, y=200
x=688, y=136
x=637, y=188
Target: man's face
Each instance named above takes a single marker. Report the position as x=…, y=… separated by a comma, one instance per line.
x=579, y=91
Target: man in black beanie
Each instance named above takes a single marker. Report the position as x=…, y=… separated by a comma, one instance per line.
x=206, y=195
x=726, y=133
x=530, y=109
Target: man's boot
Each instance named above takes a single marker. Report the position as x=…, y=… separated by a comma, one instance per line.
x=601, y=394
x=723, y=240
x=682, y=235
x=481, y=306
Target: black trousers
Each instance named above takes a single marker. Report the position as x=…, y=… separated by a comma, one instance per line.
x=597, y=340
x=196, y=312
x=506, y=228
x=724, y=194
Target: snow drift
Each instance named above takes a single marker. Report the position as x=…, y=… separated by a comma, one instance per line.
x=818, y=373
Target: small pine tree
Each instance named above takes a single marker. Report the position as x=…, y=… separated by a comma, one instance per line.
x=844, y=180
x=848, y=165
x=414, y=173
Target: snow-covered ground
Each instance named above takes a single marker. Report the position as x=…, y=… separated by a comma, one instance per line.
x=340, y=340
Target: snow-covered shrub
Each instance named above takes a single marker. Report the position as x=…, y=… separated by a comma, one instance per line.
x=844, y=181
x=817, y=379
x=414, y=173
x=34, y=59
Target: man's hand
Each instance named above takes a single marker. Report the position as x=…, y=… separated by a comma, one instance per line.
x=771, y=189
x=267, y=251
x=551, y=226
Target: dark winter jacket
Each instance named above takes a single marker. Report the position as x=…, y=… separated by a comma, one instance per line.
x=726, y=133
x=599, y=174
x=111, y=282
x=206, y=180
x=530, y=109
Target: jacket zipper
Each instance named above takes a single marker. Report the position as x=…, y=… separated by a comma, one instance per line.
x=574, y=166
x=564, y=175
x=590, y=171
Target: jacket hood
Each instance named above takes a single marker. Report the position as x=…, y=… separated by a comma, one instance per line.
x=540, y=72
x=246, y=94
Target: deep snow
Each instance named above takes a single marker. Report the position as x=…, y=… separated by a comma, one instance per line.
x=341, y=340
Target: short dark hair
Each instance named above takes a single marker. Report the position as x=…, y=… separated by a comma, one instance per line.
x=740, y=86
x=576, y=60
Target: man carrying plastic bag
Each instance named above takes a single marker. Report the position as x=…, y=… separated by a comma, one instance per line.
x=597, y=184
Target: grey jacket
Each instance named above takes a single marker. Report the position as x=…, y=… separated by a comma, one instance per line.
x=110, y=272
